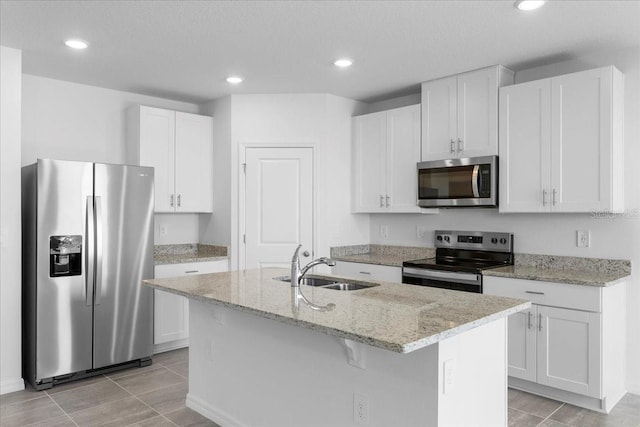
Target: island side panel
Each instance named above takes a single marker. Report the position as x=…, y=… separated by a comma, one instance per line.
x=246, y=370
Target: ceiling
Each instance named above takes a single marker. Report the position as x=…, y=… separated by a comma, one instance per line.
x=184, y=50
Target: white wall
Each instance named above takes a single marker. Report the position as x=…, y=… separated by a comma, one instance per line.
x=10, y=229
x=554, y=234
x=70, y=121
x=323, y=120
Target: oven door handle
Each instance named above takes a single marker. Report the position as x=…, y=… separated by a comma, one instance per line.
x=475, y=181
x=434, y=274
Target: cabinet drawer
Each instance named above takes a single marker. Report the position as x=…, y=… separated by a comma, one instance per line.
x=364, y=271
x=175, y=270
x=546, y=293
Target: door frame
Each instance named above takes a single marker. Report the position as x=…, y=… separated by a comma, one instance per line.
x=242, y=156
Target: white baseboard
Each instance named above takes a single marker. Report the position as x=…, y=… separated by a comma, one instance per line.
x=11, y=386
x=212, y=413
x=633, y=388
x=168, y=346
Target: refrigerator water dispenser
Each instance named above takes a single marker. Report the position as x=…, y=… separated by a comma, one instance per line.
x=65, y=256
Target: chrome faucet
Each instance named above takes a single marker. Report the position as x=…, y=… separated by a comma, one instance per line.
x=298, y=273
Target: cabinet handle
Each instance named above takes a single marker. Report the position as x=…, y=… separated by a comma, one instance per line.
x=365, y=272
x=544, y=197
x=460, y=146
x=534, y=292
x=171, y=200
x=529, y=322
x=453, y=147
x=539, y=322
x=388, y=198
x=381, y=201
x=554, y=196
x=179, y=200
x=191, y=271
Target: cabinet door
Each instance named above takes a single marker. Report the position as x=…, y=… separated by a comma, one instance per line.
x=403, y=152
x=477, y=126
x=569, y=350
x=581, y=141
x=439, y=119
x=194, y=163
x=157, y=145
x=522, y=344
x=525, y=138
x=368, y=271
x=369, y=151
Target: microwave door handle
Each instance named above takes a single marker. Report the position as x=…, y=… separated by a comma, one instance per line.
x=475, y=181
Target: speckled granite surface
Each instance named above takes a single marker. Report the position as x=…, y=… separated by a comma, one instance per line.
x=563, y=269
x=381, y=254
x=396, y=317
x=195, y=252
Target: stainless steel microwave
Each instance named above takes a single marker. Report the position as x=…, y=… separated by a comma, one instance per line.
x=464, y=182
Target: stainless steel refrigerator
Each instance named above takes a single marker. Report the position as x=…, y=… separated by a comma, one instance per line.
x=87, y=245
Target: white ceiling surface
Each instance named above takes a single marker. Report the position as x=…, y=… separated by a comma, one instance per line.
x=184, y=50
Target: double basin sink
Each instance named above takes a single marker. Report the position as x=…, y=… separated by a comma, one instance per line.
x=329, y=283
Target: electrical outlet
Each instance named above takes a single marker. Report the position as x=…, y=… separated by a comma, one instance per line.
x=360, y=409
x=421, y=231
x=583, y=238
x=163, y=229
x=384, y=231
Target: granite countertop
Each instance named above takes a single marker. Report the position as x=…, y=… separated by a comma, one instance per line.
x=545, y=268
x=194, y=252
x=392, y=316
x=381, y=254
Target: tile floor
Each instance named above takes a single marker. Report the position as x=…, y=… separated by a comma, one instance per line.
x=155, y=396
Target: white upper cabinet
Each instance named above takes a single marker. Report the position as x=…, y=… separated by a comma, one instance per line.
x=179, y=146
x=561, y=144
x=386, y=150
x=460, y=114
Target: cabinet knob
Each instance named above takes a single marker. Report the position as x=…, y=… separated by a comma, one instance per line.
x=171, y=200
x=453, y=147
x=179, y=201
x=544, y=197
x=554, y=196
x=460, y=146
x=388, y=201
x=381, y=201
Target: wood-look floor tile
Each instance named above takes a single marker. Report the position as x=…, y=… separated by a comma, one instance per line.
x=522, y=419
x=63, y=421
x=20, y=396
x=149, y=381
x=532, y=404
x=170, y=357
x=181, y=368
x=154, y=422
x=99, y=393
x=189, y=417
x=133, y=371
x=552, y=423
x=118, y=413
x=75, y=384
x=29, y=412
x=620, y=416
x=167, y=399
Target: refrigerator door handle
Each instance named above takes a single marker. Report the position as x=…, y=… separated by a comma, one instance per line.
x=89, y=252
x=98, y=257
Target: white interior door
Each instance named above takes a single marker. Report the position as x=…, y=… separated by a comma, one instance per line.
x=278, y=204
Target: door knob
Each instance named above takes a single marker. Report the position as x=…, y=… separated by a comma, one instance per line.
x=305, y=253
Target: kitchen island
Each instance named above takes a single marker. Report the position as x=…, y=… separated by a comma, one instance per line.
x=386, y=355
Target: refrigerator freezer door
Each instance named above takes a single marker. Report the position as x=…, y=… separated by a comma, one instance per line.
x=63, y=318
x=123, y=311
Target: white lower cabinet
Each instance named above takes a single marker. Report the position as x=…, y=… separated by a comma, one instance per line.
x=570, y=344
x=364, y=271
x=171, y=312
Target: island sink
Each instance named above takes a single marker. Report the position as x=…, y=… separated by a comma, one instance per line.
x=328, y=283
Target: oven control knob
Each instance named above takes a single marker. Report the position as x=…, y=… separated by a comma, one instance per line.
x=494, y=240
x=439, y=238
x=446, y=238
x=503, y=241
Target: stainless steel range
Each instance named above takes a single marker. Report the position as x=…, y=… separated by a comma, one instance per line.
x=461, y=256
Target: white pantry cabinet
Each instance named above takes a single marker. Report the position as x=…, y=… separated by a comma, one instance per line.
x=570, y=344
x=460, y=114
x=386, y=150
x=561, y=144
x=364, y=271
x=171, y=312
x=180, y=148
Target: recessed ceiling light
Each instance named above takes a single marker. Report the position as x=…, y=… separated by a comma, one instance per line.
x=76, y=44
x=528, y=4
x=343, y=63
x=234, y=79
